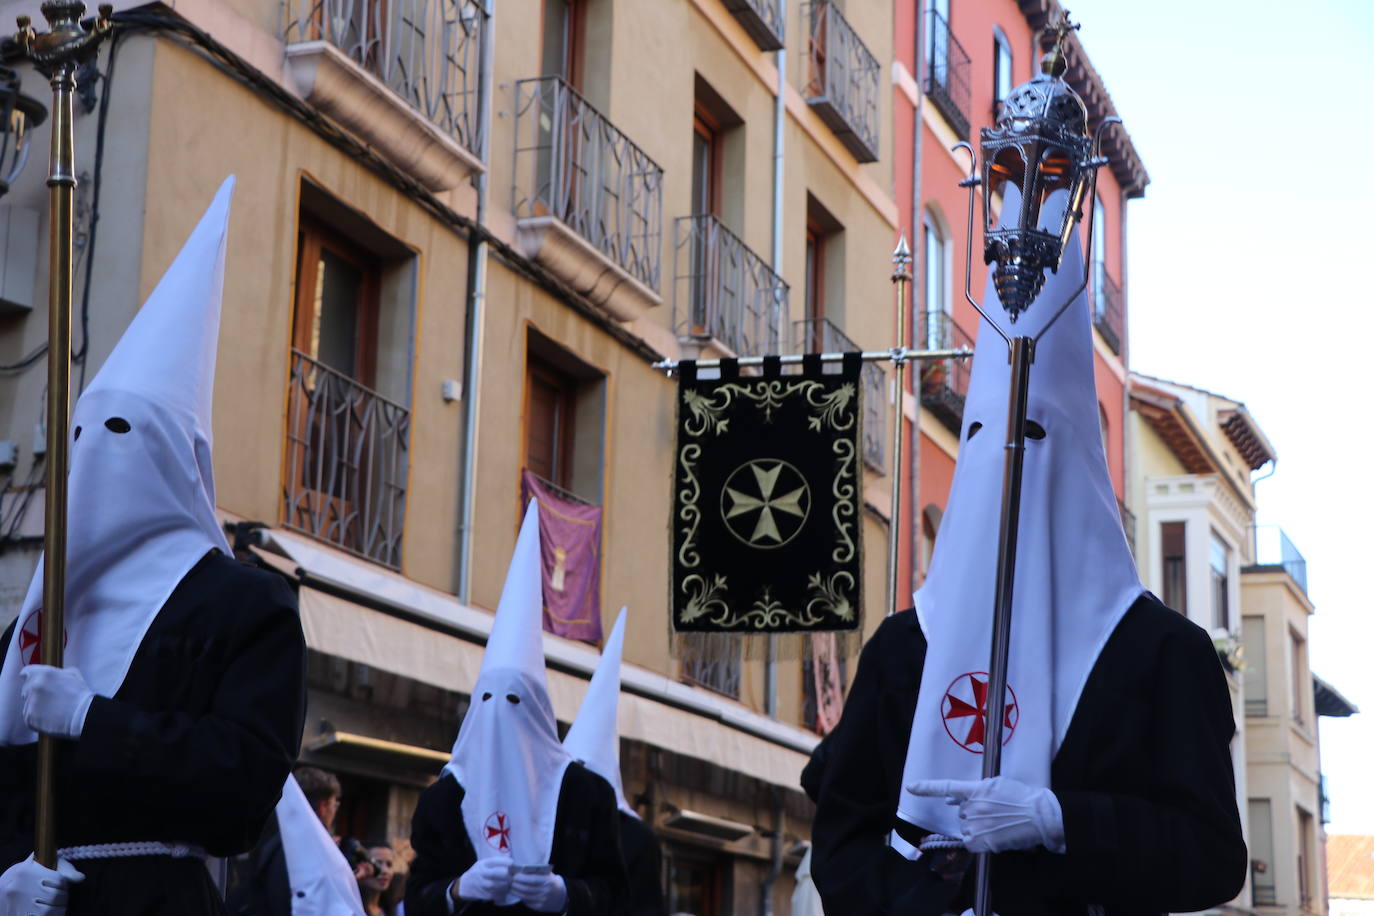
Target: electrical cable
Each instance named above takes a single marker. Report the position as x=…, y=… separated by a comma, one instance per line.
x=107, y=90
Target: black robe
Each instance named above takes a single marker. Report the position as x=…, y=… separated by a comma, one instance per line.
x=644, y=864
x=586, y=849
x=1143, y=778
x=193, y=748
x=264, y=888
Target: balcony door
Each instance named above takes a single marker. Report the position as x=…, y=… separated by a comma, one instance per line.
x=564, y=40
x=937, y=48
x=936, y=301
x=333, y=368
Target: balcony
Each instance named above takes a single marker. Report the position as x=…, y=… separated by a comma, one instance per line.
x=842, y=80
x=1273, y=548
x=944, y=382
x=722, y=290
x=947, y=74
x=818, y=335
x=762, y=19
x=401, y=75
x=588, y=201
x=1107, y=307
x=346, y=454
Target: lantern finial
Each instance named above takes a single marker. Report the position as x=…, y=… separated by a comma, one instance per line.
x=1054, y=63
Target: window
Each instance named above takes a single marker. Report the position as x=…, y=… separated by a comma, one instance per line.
x=1298, y=665
x=706, y=147
x=564, y=40
x=1099, y=257
x=1306, y=881
x=935, y=300
x=336, y=303
x=348, y=419
x=1174, y=558
x=698, y=881
x=1001, y=69
x=930, y=530
x=1262, y=881
x=937, y=44
x=550, y=419
x=1256, y=687
x=823, y=297
x=1220, y=579
x=564, y=417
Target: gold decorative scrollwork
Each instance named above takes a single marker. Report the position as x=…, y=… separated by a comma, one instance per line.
x=689, y=512
x=831, y=595
x=704, y=597
x=844, y=492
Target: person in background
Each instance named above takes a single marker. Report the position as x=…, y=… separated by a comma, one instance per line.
x=514, y=825
x=375, y=886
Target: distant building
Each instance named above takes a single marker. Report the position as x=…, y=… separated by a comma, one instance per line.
x=1350, y=874
x=1192, y=457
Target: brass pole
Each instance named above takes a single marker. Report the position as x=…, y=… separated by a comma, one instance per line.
x=56, y=54
x=901, y=276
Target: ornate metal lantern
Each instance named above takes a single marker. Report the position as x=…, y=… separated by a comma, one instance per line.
x=18, y=115
x=1039, y=146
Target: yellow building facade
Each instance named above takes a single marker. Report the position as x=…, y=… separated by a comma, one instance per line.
x=462, y=234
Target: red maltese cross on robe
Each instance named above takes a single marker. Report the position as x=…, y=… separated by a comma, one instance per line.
x=496, y=832
x=965, y=711
x=31, y=638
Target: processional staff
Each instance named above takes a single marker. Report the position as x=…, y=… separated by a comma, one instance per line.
x=56, y=54
x=1040, y=145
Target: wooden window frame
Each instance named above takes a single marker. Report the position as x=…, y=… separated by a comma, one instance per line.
x=312, y=240
x=1178, y=602
x=574, y=41
x=565, y=416
x=707, y=127
x=1001, y=44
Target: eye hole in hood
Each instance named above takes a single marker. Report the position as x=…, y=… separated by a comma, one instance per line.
x=1034, y=430
x=118, y=425
x=513, y=699
x=973, y=430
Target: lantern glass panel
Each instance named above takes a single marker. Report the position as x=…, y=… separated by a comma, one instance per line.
x=1007, y=169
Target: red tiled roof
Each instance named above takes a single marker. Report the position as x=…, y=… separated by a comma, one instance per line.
x=1350, y=866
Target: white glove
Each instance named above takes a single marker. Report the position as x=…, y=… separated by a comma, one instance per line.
x=487, y=879
x=56, y=700
x=30, y=889
x=541, y=893
x=999, y=814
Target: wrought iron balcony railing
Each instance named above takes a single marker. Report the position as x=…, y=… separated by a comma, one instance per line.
x=842, y=79
x=762, y=19
x=819, y=335
x=575, y=165
x=723, y=290
x=426, y=51
x=1107, y=307
x=947, y=74
x=944, y=382
x=346, y=454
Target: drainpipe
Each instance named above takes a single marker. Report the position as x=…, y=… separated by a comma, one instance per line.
x=770, y=675
x=475, y=319
x=918, y=273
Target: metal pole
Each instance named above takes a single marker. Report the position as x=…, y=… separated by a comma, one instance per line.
x=1022, y=355
x=56, y=54
x=901, y=259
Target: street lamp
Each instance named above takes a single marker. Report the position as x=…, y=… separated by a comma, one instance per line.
x=19, y=113
x=1040, y=147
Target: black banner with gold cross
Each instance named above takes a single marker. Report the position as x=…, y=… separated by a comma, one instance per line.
x=766, y=496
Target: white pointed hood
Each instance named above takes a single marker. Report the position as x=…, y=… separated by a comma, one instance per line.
x=507, y=756
x=594, y=739
x=321, y=882
x=141, y=493
x=1075, y=577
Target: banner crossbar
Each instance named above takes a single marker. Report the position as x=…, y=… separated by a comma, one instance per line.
x=895, y=355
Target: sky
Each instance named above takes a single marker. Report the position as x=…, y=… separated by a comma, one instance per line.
x=1249, y=275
